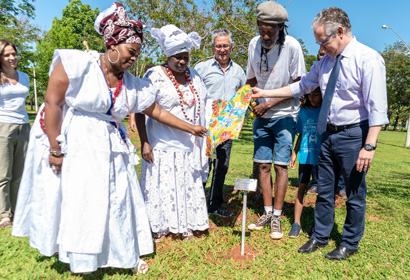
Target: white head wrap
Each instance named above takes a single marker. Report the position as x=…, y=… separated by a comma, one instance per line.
x=173, y=40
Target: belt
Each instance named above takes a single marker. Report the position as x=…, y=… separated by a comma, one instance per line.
x=342, y=127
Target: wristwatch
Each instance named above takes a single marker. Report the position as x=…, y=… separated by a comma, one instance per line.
x=369, y=147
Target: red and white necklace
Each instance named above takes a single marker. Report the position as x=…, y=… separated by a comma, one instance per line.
x=181, y=95
x=117, y=92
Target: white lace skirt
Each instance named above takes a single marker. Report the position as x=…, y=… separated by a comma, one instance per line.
x=173, y=193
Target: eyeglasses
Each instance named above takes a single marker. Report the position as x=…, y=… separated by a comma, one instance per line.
x=324, y=42
x=225, y=46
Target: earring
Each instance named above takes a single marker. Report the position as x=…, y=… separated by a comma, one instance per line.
x=118, y=58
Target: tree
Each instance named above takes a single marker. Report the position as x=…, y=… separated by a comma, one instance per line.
x=397, y=61
x=75, y=26
x=157, y=13
x=10, y=9
x=309, y=58
x=239, y=16
x=21, y=33
x=15, y=27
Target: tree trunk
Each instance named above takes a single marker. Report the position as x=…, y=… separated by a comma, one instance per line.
x=407, y=134
x=386, y=127
x=396, y=122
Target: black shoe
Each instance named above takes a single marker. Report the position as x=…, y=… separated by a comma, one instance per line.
x=221, y=212
x=340, y=253
x=311, y=246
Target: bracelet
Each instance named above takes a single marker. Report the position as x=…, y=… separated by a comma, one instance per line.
x=56, y=153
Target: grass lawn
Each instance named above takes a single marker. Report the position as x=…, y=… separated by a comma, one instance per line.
x=384, y=250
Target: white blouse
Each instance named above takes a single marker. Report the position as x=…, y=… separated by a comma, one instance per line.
x=163, y=137
x=13, y=100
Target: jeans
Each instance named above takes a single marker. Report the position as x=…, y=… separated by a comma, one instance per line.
x=273, y=140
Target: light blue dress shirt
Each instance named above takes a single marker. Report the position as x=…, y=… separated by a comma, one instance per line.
x=360, y=92
x=220, y=84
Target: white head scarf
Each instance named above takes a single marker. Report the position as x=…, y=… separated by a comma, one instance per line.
x=174, y=41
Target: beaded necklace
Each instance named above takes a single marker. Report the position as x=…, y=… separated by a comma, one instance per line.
x=114, y=96
x=181, y=95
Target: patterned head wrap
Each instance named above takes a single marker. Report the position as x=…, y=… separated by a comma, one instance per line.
x=173, y=40
x=117, y=28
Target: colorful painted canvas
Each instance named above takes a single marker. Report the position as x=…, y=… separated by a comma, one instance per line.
x=227, y=119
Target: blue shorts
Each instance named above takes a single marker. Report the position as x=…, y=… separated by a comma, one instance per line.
x=305, y=171
x=273, y=140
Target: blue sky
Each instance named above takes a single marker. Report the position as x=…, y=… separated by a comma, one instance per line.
x=366, y=17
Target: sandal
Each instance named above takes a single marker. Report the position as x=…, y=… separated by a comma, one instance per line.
x=158, y=236
x=186, y=236
x=5, y=222
x=141, y=268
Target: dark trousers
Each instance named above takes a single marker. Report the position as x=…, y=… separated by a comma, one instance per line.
x=313, y=182
x=338, y=155
x=220, y=168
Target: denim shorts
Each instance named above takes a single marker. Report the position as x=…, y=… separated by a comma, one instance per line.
x=273, y=140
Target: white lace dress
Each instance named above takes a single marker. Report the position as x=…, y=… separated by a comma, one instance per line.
x=172, y=185
x=97, y=216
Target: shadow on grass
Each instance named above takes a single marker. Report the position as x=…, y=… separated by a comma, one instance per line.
x=100, y=273
x=397, y=189
x=224, y=222
x=63, y=268
x=406, y=220
x=42, y=258
x=255, y=202
x=239, y=233
x=336, y=235
x=60, y=267
x=294, y=182
x=392, y=145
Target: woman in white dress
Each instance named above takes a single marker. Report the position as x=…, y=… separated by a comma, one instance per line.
x=171, y=176
x=102, y=221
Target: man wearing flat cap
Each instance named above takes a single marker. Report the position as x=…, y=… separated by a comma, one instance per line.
x=274, y=60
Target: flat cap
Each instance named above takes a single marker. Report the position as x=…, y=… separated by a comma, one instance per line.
x=271, y=12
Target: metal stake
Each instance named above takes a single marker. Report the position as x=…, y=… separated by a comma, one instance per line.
x=245, y=197
x=245, y=185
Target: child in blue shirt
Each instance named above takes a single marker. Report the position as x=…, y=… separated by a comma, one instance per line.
x=308, y=146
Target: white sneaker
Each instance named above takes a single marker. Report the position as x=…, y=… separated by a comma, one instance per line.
x=263, y=221
x=276, y=231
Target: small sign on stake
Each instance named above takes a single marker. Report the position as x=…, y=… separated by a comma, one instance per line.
x=245, y=185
